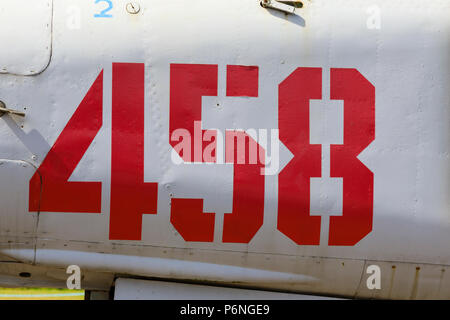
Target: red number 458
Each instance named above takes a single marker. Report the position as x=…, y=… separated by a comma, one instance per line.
x=131, y=197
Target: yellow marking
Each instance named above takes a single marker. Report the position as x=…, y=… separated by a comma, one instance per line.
x=40, y=294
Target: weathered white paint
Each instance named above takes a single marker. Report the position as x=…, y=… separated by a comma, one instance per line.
x=406, y=59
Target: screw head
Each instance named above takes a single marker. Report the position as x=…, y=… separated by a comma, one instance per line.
x=133, y=7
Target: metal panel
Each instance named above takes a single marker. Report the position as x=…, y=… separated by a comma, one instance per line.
x=132, y=289
x=25, y=36
x=406, y=60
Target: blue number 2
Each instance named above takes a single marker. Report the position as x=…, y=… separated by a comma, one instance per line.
x=103, y=13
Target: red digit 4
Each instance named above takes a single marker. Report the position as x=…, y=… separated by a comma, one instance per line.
x=50, y=190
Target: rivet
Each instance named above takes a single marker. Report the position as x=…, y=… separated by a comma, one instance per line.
x=133, y=7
